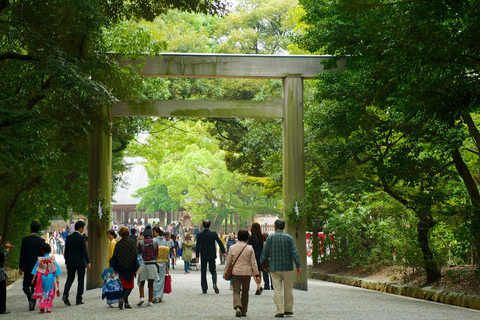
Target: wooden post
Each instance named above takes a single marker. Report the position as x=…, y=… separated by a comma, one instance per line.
x=99, y=198
x=294, y=168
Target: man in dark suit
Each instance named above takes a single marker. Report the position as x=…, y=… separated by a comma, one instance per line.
x=205, y=248
x=76, y=260
x=29, y=253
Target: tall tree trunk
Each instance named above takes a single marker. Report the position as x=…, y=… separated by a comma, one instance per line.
x=472, y=189
x=425, y=224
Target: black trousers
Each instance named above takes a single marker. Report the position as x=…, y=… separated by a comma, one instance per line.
x=3, y=296
x=80, y=271
x=203, y=270
x=28, y=287
x=266, y=280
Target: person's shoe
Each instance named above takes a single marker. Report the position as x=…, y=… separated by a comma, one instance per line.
x=66, y=301
x=127, y=306
x=216, y=289
x=238, y=312
x=149, y=304
x=109, y=305
x=120, y=304
x=204, y=292
x=42, y=310
x=5, y=312
x=279, y=315
x=244, y=314
x=142, y=300
x=49, y=310
x=156, y=300
x=231, y=287
x=31, y=305
x=288, y=314
x=80, y=302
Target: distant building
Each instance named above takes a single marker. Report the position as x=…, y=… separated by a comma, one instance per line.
x=124, y=205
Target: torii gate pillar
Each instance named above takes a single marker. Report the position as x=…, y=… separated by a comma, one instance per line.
x=99, y=199
x=294, y=168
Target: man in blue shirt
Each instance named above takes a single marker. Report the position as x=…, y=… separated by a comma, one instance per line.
x=281, y=252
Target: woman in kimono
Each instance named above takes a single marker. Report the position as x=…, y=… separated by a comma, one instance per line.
x=46, y=272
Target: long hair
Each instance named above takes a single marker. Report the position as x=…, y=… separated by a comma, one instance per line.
x=256, y=232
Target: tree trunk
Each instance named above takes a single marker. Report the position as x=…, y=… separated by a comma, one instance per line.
x=472, y=189
x=425, y=224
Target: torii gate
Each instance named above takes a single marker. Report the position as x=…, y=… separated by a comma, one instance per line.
x=291, y=69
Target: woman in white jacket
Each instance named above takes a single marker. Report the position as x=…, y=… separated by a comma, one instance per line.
x=245, y=266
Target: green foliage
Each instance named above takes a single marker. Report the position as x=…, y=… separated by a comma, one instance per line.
x=56, y=80
x=257, y=27
x=397, y=115
x=184, y=157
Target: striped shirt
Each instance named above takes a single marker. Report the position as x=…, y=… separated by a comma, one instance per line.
x=281, y=251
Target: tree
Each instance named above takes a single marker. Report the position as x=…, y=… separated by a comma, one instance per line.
x=184, y=157
x=56, y=79
x=257, y=27
x=411, y=60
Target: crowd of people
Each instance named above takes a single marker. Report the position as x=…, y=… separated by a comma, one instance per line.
x=145, y=256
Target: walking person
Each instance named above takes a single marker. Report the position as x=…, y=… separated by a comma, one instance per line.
x=245, y=266
x=3, y=278
x=76, y=260
x=222, y=238
x=60, y=244
x=256, y=240
x=170, y=245
x=46, y=272
x=187, y=247
x=281, y=252
x=162, y=262
x=133, y=234
x=175, y=251
x=29, y=253
x=112, y=237
x=149, y=250
x=231, y=241
x=205, y=248
x=124, y=261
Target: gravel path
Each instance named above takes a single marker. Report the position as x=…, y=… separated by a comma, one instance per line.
x=323, y=300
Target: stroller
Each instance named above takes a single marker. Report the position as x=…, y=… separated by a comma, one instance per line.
x=193, y=262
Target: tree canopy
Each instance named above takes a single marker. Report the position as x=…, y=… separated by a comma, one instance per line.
x=56, y=77
x=412, y=78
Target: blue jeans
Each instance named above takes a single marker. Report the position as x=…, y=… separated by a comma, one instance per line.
x=187, y=265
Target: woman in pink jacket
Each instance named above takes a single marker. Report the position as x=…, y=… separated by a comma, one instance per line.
x=245, y=266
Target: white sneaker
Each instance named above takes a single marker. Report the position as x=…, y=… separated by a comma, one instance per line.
x=142, y=300
x=149, y=304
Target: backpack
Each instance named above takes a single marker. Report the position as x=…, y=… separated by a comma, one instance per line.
x=163, y=252
x=149, y=248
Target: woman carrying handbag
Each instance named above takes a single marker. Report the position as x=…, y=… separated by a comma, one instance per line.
x=242, y=265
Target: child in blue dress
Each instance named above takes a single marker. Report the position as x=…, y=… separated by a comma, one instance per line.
x=46, y=271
